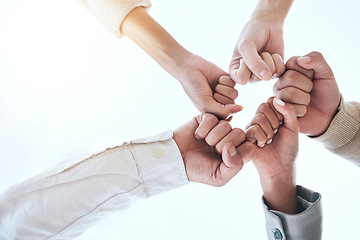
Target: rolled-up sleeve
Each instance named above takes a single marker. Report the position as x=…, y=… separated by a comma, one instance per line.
x=306, y=225
x=111, y=13
x=67, y=199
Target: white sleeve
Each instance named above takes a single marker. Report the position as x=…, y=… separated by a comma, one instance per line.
x=64, y=201
x=111, y=13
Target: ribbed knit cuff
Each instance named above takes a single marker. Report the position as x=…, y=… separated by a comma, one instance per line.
x=343, y=127
x=111, y=13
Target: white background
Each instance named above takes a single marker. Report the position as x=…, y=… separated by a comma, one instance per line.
x=67, y=87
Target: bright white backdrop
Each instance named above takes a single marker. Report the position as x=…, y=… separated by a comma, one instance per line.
x=67, y=87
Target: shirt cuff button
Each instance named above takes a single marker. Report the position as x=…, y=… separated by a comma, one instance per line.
x=159, y=153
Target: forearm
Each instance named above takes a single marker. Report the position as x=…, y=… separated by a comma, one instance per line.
x=280, y=193
x=156, y=41
x=272, y=10
x=69, y=198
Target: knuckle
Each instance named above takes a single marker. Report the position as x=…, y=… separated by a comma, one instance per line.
x=210, y=141
x=225, y=125
x=210, y=118
x=291, y=63
x=239, y=133
x=262, y=107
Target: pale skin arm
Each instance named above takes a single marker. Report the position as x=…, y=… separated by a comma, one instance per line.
x=197, y=76
x=263, y=33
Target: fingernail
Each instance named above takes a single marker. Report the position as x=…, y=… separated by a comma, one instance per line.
x=265, y=74
x=238, y=108
x=261, y=145
x=232, y=151
x=275, y=76
x=305, y=59
x=268, y=142
x=275, y=131
x=279, y=102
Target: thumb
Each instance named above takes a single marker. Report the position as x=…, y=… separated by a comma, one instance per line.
x=222, y=111
x=317, y=63
x=252, y=59
x=231, y=165
x=289, y=113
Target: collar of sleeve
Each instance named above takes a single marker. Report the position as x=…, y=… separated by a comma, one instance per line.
x=343, y=127
x=307, y=224
x=159, y=162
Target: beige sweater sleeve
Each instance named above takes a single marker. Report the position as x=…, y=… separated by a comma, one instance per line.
x=343, y=135
x=111, y=13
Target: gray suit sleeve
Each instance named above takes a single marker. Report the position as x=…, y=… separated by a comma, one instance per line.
x=306, y=225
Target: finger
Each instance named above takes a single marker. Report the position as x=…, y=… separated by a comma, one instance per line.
x=226, y=91
x=222, y=99
x=267, y=58
x=227, y=81
x=253, y=61
x=232, y=163
x=288, y=111
x=278, y=114
x=292, y=64
x=254, y=78
x=255, y=134
x=241, y=74
x=279, y=65
x=317, y=63
x=247, y=151
x=220, y=110
x=295, y=79
x=293, y=95
x=261, y=120
x=218, y=132
x=270, y=115
x=206, y=123
x=236, y=137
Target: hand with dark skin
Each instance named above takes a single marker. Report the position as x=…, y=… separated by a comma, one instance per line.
x=309, y=84
x=274, y=158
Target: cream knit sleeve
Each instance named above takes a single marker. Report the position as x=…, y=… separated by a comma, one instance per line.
x=111, y=13
x=343, y=135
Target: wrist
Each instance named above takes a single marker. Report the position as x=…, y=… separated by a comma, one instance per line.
x=274, y=11
x=280, y=193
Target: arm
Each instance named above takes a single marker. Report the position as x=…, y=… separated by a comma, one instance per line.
x=263, y=33
x=197, y=76
x=67, y=199
x=291, y=211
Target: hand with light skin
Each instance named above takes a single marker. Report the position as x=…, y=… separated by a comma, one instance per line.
x=263, y=33
x=274, y=161
x=208, y=148
x=197, y=76
x=315, y=90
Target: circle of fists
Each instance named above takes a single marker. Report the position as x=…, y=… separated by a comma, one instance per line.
x=305, y=93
